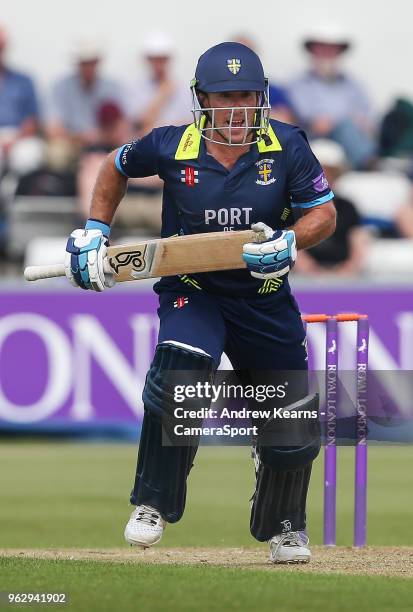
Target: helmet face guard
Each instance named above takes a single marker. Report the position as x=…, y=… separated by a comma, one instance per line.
x=205, y=118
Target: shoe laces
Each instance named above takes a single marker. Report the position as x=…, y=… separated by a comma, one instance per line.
x=147, y=515
x=291, y=538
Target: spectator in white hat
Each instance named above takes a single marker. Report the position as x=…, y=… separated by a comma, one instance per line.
x=76, y=98
x=331, y=104
x=343, y=253
x=158, y=98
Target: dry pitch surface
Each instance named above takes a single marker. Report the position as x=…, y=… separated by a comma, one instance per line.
x=372, y=560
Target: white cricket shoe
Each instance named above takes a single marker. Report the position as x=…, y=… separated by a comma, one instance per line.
x=145, y=527
x=290, y=547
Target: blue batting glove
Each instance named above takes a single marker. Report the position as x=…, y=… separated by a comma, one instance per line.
x=272, y=258
x=86, y=252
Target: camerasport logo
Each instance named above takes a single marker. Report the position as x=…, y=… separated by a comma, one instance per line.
x=180, y=302
x=189, y=176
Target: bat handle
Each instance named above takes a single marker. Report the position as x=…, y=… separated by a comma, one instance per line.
x=33, y=273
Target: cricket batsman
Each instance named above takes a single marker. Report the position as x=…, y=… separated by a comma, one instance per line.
x=232, y=169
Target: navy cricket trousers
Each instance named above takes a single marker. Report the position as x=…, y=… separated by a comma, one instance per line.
x=260, y=332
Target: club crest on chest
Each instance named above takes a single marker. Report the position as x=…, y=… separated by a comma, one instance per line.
x=265, y=168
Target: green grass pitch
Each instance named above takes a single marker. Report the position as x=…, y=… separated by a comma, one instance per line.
x=76, y=496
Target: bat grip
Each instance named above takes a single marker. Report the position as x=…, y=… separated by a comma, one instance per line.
x=33, y=273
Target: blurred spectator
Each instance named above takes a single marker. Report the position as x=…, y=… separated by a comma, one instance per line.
x=383, y=199
x=47, y=182
x=331, y=104
x=113, y=130
x=159, y=98
x=396, y=133
x=281, y=108
x=404, y=219
x=19, y=112
x=75, y=99
x=343, y=253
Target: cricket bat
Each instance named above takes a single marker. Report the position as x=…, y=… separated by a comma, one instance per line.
x=207, y=252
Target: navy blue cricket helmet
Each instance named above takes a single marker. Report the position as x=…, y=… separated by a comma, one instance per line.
x=230, y=66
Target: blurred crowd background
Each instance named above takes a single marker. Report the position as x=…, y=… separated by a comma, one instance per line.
x=54, y=138
x=81, y=78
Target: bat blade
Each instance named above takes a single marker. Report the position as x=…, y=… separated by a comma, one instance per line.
x=196, y=253
x=210, y=252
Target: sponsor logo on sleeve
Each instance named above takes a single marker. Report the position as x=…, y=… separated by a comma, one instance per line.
x=125, y=151
x=320, y=183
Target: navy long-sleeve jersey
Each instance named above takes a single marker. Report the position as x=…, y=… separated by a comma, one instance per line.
x=200, y=195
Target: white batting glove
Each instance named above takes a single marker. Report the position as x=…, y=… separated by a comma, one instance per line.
x=86, y=252
x=272, y=258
